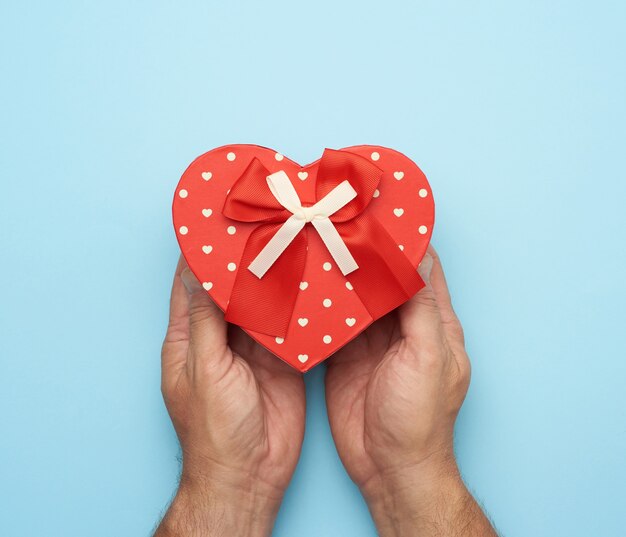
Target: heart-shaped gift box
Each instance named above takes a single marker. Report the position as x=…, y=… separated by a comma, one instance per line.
x=304, y=258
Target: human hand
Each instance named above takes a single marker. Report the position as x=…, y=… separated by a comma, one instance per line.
x=393, y=395
x=239, y=414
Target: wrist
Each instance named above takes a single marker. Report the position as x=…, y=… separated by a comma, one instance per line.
x=224, y=505
x=406, y=499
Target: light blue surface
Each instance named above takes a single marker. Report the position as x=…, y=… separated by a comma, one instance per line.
x=515, y=111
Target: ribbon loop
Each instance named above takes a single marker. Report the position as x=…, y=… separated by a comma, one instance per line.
x=318, y=214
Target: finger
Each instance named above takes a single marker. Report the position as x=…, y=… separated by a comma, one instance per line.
x=449, y=320
x=208, y=343
x=175, y=345
x=178, y=327
x=419, y=317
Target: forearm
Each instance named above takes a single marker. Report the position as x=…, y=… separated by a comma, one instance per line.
x=426, y=503
x=208, y=511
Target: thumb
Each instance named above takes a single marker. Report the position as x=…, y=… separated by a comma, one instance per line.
x=207, y=327
x=419, y=317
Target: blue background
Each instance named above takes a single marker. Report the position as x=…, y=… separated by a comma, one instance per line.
x=515, y=111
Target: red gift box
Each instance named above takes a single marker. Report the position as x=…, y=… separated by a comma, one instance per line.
x=304, y=258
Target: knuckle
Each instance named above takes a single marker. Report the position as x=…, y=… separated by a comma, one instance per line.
x=176, y=331
x=426, y=299
x=456, y=330
x=200, y=313
x=464, y=370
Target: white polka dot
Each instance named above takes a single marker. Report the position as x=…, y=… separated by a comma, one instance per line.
x=207, y=286
x=207, y=249
x=423, y=193
x=375, y=155
x=303, y=285
x=231, y=266
x=398, y=212
x=327, y=339
x=231, y=230
x=401, y=247
x=303, y=321
x=350, y=321
x=327, y=302
x=206, y=175
x=279, y=340
x=183, y=193
x=278, y=157
x=303, y=175
x=327, y=266
x=376, y=193
x=231, y=156
x=349, y=286
x=303, y=357
x=207, y=212
x=398, y=175
x=183, y=230
x=422, y=230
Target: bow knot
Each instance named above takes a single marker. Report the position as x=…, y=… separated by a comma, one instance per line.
x=307, y=214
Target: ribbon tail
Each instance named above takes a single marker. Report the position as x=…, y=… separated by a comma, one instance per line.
x=266, y=305
x=335, y=245
x=385, y=278
x=276, y=246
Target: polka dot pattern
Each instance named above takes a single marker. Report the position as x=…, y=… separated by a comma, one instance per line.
x=328, y=311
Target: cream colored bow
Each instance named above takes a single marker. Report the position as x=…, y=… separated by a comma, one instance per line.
x=317, y=214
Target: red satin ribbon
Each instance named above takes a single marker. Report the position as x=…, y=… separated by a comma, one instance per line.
x=385, y=277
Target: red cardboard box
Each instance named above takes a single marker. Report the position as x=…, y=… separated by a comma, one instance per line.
x=304, y=258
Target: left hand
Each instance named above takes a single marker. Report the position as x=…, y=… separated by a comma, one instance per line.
x=239, y=414
x=393, y=394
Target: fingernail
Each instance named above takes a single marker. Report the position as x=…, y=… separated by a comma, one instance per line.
x=425, y=267
x=190, y=281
